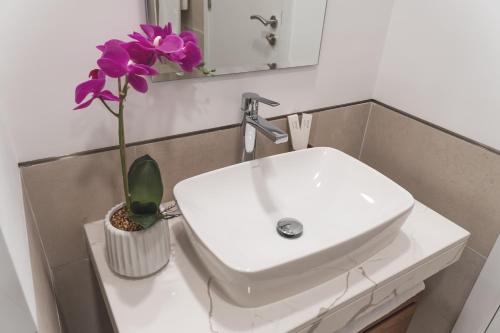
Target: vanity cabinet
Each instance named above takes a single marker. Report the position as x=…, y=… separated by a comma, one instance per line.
x=397, y=321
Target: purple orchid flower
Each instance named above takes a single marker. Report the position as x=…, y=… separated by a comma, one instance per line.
x=182, y=49
x=153, y=31
x=95, y=87
x=141, y=54
x=134, y=60
x=158, y=39
x=116, y=62
x=189, y=57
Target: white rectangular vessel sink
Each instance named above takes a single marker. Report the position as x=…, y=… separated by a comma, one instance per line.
x=347, y=211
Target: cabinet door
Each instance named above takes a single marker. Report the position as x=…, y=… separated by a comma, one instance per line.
x=396, y=323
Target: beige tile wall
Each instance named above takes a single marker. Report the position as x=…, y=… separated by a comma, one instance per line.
x=188, y=156
x=67, y=193
x=459, y=180
x=82, y=305
x=64, y=195
x=341, y=128
x=48, y=320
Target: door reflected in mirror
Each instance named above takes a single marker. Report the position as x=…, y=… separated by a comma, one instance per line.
x=239, y=36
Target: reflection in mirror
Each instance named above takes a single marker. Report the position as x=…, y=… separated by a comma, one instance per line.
x=238, y=36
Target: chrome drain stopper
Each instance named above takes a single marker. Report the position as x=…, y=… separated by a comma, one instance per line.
x=289, y=228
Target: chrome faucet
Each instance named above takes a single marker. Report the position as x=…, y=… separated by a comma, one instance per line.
x=252, y=122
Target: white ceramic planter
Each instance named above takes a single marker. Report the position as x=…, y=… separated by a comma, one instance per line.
x=136, y=254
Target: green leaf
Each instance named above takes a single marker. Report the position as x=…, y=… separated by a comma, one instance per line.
x=146, y=191
x=145, y=221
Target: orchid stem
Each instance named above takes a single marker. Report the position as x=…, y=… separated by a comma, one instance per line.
x=108, y=107
x=121, y=137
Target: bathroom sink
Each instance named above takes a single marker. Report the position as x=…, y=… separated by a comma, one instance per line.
x=344, y=212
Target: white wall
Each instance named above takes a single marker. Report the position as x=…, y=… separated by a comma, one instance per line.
x=49, y=46
x=15, y=315
x=442, y=63
x=16, y=284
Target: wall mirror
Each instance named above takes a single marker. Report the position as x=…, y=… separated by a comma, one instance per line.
x=239, y=36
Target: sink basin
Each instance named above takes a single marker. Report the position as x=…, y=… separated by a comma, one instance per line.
x=348, y=212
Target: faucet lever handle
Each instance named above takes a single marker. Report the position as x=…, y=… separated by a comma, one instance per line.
x=250, y=101
x=268, y=102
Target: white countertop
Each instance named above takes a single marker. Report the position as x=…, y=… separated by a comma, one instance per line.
x=180, y=297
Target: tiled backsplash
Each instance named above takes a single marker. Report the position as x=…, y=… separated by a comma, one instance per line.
x=457, y=179
x=342, y=129
x=454, y=177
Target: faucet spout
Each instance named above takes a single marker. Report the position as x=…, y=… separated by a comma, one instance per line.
x=275, y=134
x=252, y=122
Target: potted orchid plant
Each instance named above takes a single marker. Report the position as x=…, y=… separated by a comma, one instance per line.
x=137, y=234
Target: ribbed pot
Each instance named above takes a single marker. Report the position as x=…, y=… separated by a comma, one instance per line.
x=136, y=254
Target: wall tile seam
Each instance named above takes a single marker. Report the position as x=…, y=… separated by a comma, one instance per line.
x=44, y=255
x=63, y=322
x=71, y=262
x=62, y=319
x=37, y=231
x=477, y=253
x=61, y=265
x=59, y=315
x=363, y=140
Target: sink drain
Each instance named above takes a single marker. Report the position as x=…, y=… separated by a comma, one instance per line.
x=289, y=228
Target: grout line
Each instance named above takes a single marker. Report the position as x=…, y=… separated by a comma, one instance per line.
x=37, y=231
x=97, y=277
x=71, y=262
x=477, y=253
x=362, y=147
x=61, y=320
